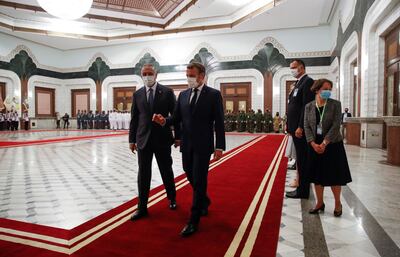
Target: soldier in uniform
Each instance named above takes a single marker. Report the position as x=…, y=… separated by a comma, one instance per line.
x=84, y=120
x=8, y=120
x=251, y=121
x=227, y=121
x=242, y=121
x=259, y=117
x=103, y=118
x=25, y=118
x=90, y=119
x=107, y=125
x=14, y=120
x=66, y=120
x=234, y=118
x=78, y=120
x=97, y=120
x=268, y=121
x=2, y=121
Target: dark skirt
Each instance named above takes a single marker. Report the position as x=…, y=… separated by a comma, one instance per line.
x=330, y=168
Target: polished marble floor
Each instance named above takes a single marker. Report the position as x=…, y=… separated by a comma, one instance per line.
x=65, y=184
x=370, y=225
x=19, y=136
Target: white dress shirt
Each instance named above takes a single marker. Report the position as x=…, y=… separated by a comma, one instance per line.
x=154, y=88
x=198, y=93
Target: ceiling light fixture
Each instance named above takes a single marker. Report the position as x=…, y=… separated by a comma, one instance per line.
x=66, y=9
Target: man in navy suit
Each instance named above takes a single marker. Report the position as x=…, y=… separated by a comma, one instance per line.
x=299, y=97
x=198, y=113
x=150, y=139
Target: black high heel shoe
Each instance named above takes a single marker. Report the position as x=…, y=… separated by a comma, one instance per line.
x=338, y=213
x=317, y=210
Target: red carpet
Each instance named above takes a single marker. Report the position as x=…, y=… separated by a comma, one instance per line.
x=4, y=144
x=246, y=191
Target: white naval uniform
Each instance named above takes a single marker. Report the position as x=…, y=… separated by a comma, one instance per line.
x=114, y=121
x=119, y=120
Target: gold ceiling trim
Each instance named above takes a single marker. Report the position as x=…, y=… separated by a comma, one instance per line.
x=144, y=34
x=105, y=18
x=161, y=12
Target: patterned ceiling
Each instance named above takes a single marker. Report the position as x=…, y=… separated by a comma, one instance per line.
x=154, y=8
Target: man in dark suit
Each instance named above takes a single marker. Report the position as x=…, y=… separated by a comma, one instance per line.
x=199, y=112
x=151, y=139
x=346, y=115
x=299, y=97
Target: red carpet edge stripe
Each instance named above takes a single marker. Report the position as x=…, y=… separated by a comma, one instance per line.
x=6, y=144
x=243, y=232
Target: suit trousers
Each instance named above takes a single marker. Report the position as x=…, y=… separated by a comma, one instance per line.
x=164, y=161
x=196, y=167
x=301, y=159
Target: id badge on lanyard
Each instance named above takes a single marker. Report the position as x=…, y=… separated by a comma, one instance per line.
x=321, y=115
x=319, y=129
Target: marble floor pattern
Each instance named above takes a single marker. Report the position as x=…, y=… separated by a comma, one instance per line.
x=65, y=184
x=377, y=187
x=18, y=136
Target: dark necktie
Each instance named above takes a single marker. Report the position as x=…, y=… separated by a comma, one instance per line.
x=193, y=101
x=151, y=100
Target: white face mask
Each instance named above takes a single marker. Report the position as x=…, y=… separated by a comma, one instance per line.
x=294, y=72
x=149, y=80
x=192, y=82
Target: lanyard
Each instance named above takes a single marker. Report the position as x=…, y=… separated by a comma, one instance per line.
x=321, y=115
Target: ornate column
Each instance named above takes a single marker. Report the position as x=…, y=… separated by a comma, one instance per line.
x=24, y=67
x=98, y=72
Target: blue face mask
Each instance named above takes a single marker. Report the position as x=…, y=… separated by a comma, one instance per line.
x=325, y=94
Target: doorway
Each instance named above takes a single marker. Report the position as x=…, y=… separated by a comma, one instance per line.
x=236, y=96
x=123, y=98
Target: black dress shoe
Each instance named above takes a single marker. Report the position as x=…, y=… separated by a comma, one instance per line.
x=317, y=210
x=188, y=230
x=138, y=215
x=172, y=204
x=295, y=195
x=338, y=213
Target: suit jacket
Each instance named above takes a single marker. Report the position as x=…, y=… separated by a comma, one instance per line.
x=298, y=98
x=330, y=122
x=197, y=128
x=141, y=125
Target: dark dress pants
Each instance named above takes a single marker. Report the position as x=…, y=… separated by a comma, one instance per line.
x=301, y=159
x=164, y=161
x=196, y=167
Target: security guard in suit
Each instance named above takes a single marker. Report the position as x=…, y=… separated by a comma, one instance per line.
x=299, y=97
